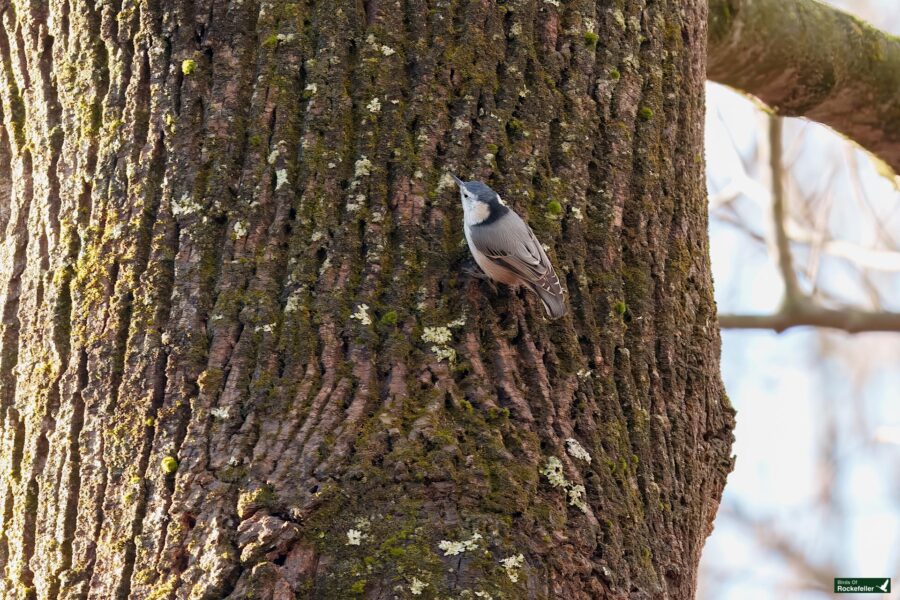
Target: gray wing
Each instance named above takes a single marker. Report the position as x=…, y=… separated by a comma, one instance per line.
x=511, y=244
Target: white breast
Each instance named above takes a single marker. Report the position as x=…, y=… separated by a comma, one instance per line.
x=491, y=269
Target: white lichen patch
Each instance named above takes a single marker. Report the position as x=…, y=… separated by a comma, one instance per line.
x=444, y=353
x=577, y=214
x=273, y=156
x=281, y=178
x=387, y=50
x=222, y=413
x=416, y=586
x=512, y=565
x=576, y=497
x=354, y=537
x=584, y=374
x=440, y=337
x=292, y=304
x=362, y=314
x=446, y=182
x=374, y=105
x=356, y=203
x=483, y=595
x=363, y=167
x=267, y=328
x=456, y=323
x=240, y=229
x=619, y=16
x=311, y=89
x=452, y=548
x=552, y=2
x=553, y=471
x=576, y=450
x=185, y=205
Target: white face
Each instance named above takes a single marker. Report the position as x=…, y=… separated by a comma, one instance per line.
x=474, y=210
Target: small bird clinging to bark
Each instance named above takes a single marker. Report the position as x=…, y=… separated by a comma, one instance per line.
x=505, y=247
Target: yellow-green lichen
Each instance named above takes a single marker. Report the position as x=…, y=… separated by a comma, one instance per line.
x=169, y=465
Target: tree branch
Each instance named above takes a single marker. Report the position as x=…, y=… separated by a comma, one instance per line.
x=792, y=293
x=804, y=58
x=808, y=315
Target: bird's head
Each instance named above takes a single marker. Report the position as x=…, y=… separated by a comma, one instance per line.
x=480, y=202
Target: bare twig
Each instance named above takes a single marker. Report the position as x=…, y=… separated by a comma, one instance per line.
x=792, y=294
x=808, y=315
x=797, y=308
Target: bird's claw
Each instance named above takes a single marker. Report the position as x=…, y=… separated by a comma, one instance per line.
x=477, y=273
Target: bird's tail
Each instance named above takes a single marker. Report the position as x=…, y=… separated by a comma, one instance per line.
x=552, y=295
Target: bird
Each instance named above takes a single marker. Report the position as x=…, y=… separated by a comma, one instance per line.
x=884, y=586
x=505, y=247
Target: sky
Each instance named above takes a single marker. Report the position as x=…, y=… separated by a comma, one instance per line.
x=815, y=492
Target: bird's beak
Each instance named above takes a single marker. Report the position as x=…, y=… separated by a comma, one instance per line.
x=458, y=181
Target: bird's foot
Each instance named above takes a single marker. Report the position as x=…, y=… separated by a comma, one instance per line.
x=477, y=273
x=474, y=272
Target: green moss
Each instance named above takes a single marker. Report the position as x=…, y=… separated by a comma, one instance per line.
x=591, y=39
x=262, y=497
x=188, y=66
x=554, y=208
x=514, y=126
x=495, y=414
x=620, y=307
x=614, y=74
x=646, y=113
x=389, y=318
x=169, y=465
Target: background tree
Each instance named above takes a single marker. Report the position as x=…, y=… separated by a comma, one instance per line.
x=795, y=511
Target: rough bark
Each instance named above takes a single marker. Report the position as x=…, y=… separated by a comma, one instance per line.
x=227, y=232
x=806, y=59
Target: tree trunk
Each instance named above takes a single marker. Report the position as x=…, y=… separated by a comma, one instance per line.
x=240, y=358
